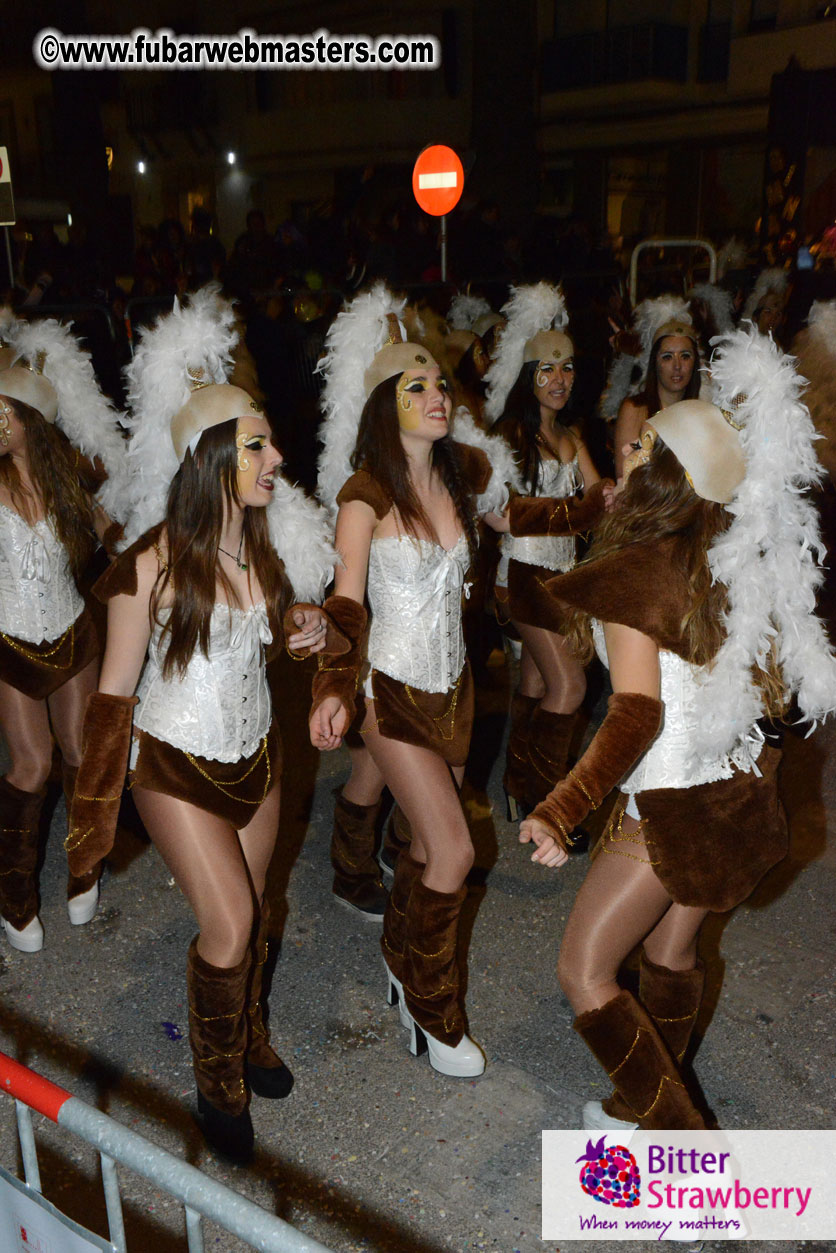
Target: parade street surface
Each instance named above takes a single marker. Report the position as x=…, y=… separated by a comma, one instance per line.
x=373, y=1150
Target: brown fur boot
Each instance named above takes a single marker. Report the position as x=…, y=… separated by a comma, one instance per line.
x=218, y=1039
x=515, y=779
x=392, y=942
x=626, y=1043
x=267, y=1074
x=548, y=752
x=84, y=884
x=672, y=999
x=20, y=814
x=357, y=882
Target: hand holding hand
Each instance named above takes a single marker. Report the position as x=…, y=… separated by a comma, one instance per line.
x=329, y=723
x=312, y=630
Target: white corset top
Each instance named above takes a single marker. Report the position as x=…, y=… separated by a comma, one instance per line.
x=667, y=761
x=558, y=480
x=220, y=709
x=38, y=596
x=415, y=595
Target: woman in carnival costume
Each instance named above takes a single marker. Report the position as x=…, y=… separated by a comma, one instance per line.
x=699, y=592
x=219, y=547
x=406, y=532
x=529, y=398
x=667, y=360
x=62, y=470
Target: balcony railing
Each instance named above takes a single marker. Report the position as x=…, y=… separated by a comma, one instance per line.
x=626, y=54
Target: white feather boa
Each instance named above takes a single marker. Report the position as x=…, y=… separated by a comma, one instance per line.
x=201, y=336
x=769, y=556
x=504, y=470
x=538, y=307
x=85, y=415
x=354, y=338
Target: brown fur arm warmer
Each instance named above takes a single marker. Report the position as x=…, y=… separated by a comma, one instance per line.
x=632, y=722
x=339, y=665
x=548, y=515
x=94, y=812
x=337, y=643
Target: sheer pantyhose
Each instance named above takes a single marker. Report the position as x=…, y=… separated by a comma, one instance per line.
x=220, y=871
x=620, y=904
x=365, y=782
x=427, y=791
x=28, y=726
x=548, y=670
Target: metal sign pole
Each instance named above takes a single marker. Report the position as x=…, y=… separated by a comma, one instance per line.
x=444, y=248
x=9, y=258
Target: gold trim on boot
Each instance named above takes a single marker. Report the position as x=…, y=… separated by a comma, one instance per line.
x=431, y=963
x=267, y=1073
x=77, y=884
x=393, y=940
x=218, y=1028
x=357, y=881
x=665, y=993
x=20, y=814
x=515, y=778
x=627, y=1044
x=549, y=736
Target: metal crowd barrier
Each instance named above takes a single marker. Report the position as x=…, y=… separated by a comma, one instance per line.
x=200, y=1196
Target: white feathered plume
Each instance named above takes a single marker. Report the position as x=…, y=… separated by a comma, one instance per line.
x=815, y=348
x=769, y=556
x=503, y=463
x=539, y=307
x=720, y=303
x=8, y=321
x=199, y=338
x=465, y=309
x=85, y=415
x=732, y=256
x=768, y=280
x=627, y=375
x=354, y=338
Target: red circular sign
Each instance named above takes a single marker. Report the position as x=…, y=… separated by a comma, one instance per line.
x=438, y=180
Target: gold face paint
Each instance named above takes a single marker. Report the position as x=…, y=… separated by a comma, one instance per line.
x=412, y=399
x=406, y=421
x=256, y=456
x=243, y=461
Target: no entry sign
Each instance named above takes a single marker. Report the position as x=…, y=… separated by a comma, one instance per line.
x=438, y=180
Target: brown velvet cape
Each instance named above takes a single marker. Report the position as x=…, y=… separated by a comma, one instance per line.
x=715, y=841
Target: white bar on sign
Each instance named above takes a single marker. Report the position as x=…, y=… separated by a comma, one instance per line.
x=426, y=182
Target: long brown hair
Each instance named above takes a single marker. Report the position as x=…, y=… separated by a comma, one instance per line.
x=205, y=482
x=519, y=424
x=66, y=504
x=379, y=451
x=649, y=395
x=658, y=503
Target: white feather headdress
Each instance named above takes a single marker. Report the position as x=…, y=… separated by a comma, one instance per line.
x=85, y=415
x=720, y=303
x=769, y=557
x=500, y=454
x=732, y=256
x=774, y=280
x=465, y=309
x=627, y=374
x=540, y=307
x=197, y=340
x=354, y=338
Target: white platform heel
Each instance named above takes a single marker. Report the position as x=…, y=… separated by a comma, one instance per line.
x=465, y=1060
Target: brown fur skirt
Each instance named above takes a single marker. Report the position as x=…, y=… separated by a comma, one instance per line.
x=712, y=844
x=38, y=670
x=439, y=721
x=528, y=601
x=230, y=790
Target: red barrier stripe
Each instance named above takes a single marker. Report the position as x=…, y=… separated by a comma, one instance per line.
x=42, y=1095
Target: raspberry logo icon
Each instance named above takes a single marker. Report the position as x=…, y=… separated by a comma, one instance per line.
x=610, y=1174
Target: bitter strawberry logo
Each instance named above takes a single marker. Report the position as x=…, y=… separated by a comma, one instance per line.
x=610, y=1174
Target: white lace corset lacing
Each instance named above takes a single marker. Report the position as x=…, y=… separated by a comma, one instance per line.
x=558, y=480
x=667, y=761
x=415, y=593
x=220, y=708
x=38, y=596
